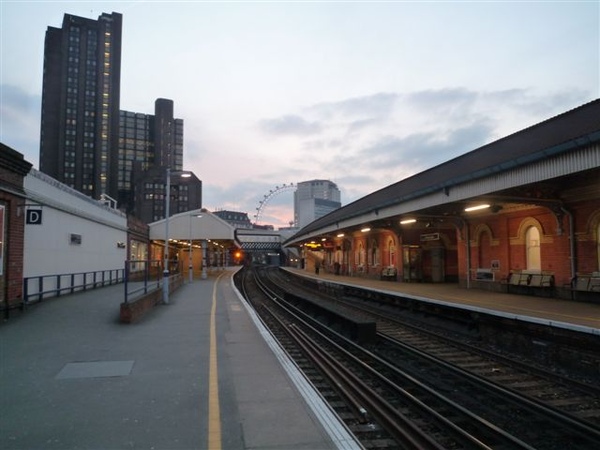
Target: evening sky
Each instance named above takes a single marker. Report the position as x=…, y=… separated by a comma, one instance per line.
x=361, y=93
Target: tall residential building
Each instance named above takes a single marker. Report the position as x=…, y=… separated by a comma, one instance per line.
x=79, y=139
x=314, y=199
x=146, y=141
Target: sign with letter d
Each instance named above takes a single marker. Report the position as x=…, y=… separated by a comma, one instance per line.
x=33, y=217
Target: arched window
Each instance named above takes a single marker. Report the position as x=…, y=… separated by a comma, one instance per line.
x=359, y=254
x=392, y=252
x=532, y=248
x=374, y=253
x=484, y=251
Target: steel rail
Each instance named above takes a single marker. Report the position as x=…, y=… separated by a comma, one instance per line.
x=551, y=413
x=462, y=434
x=396, y=423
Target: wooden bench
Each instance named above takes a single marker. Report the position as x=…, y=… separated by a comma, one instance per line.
x=389, y=274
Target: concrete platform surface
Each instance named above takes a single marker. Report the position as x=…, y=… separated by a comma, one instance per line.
x=580, y=316
x=73, y=377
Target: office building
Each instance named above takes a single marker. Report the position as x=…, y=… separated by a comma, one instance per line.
x=79, y=138
x=88, y=143
x=148, y=145
x=147, y=141
x=314, y=199
x=149, y=194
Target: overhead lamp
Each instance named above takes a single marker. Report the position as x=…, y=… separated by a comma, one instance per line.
x=477, y=207
x=364, y=230
x=407, y=221
x=323, y=239
x=340, y=235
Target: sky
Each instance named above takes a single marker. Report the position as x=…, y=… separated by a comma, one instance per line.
x=364, y=94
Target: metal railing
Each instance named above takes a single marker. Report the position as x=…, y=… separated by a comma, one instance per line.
x=142, y=277
x=38, y=288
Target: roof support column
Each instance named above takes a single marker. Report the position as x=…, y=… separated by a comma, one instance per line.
x=468, y=241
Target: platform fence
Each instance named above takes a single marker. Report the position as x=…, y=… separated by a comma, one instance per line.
x=142, y=276
x=38, y=288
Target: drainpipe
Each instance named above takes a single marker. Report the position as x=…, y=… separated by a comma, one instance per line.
x=572, y=248
x=468, y=238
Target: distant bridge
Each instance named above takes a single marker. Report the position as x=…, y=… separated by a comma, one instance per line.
x=264, y=241
x=265, y=246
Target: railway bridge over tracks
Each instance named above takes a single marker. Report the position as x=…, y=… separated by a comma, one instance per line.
x=265, y=246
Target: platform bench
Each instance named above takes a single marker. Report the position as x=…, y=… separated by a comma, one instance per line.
x=585, y=283
x=389, y=274
x=527, y=282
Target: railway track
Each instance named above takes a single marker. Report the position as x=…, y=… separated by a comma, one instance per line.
x=394, y=394
x=381, y=414
x=572, y=397
x=466, y=413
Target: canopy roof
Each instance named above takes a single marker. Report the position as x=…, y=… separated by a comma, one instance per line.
x=198, y=224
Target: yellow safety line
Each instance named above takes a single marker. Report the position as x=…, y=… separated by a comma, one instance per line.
x=214, y=409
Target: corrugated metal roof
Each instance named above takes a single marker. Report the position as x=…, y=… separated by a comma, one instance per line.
x=563, y=133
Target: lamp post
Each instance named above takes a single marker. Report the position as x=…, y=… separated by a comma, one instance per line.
x=190, y=266
x=185, y=174
x=204, y=245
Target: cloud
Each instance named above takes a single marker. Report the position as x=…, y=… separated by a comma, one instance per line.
x=444, y=100
x=379, y=105
x=422, y=150
x=290, y=125
x=366, y=143
x=19, y=121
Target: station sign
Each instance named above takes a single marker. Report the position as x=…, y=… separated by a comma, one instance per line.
x=33, y=217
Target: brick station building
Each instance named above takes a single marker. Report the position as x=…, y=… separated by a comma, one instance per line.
x=13, y=169
x=521, y=214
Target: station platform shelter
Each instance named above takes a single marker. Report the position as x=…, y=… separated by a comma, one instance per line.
x=198, y=241
x=523, y=211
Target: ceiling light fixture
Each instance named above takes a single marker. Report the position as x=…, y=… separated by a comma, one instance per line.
x=404, y=222
x=476, y=208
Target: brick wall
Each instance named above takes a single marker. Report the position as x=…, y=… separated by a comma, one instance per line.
x=12, y=280
x=13, y=169
x=499, y=238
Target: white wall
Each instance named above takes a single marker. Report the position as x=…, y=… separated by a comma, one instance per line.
x=47, y=248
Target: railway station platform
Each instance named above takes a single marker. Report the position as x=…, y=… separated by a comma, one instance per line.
x=573, y=315
x=198, y=373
